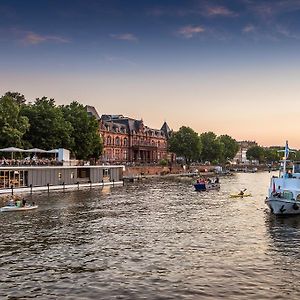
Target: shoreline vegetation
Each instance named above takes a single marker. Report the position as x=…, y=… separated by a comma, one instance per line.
x=141, y=172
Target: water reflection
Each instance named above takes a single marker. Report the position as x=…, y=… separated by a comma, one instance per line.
x=151, y=240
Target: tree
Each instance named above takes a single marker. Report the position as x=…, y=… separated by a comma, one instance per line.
x=87, y=141
x=12, y=125
x=48, y=128
x=231, y=146
x=256, y=153
x=17, y=97
x=212, y=147
x=271, y=155
x=186, y=143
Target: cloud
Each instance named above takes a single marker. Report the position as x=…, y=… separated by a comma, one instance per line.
x=219, y=11
x=285, y=32
x=190, y=31
x=268, y=10
x=125, y=37
x=32, y=38
x=249, y=28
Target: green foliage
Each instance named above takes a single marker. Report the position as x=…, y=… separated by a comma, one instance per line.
x=87, y=142
x=13, y=126
x=163, y=162
x=17, y=97
x=272, y=155
x=256, y=153
x=212, y=147
x=48, y=128
x=231, y=147
x=185, y=143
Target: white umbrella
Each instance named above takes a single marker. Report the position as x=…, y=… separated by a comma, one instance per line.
x=52, y=151
x=35, y=150
x=12, y=150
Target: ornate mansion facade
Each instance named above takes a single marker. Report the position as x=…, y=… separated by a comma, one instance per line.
x=128, y=140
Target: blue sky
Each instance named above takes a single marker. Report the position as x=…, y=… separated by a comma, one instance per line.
x=225, y=66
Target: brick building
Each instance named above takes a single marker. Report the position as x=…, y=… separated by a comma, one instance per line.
x=129, y=140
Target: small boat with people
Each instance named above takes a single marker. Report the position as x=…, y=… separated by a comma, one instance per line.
x=16, y=204
x=207, y=184
x=284, y=190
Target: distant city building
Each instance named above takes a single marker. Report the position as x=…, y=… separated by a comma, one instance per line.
x=240, y=157
x=129, y=140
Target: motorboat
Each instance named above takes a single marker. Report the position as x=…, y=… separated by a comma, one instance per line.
x=206, y=185
x=10, y=207
x=284, y=190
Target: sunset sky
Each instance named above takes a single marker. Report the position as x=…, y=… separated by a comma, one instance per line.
x=232, y=67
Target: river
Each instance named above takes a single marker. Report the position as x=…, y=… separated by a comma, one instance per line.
x=155, y=239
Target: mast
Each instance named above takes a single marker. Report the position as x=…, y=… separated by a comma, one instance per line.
x=286, y=154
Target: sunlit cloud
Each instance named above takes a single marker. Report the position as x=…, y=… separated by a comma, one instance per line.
x=249, y=28
x=219, y=11
x=125, y=37
x=32, y=38
x=190, y=31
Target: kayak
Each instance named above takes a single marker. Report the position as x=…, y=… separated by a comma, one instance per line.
x=15, y=208
x=240, y=196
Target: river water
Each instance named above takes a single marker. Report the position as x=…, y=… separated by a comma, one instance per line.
x=156, y=239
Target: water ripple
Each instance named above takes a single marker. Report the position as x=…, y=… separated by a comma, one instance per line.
x=158, y=239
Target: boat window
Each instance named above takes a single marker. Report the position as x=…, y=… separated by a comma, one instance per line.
x=287, y=195
x=297, y=168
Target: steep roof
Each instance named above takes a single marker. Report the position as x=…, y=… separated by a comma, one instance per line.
x=132, y=124
x=165, y=128
x=91, y=110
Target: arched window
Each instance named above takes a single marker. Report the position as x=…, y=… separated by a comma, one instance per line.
x=109, y=140
x=125, y=142
x=117, y=141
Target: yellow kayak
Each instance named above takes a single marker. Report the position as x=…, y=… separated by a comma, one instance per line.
x=240, y=196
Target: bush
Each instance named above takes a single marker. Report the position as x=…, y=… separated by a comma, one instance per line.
x=163, y=162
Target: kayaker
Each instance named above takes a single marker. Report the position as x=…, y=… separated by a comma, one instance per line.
x=242, y=192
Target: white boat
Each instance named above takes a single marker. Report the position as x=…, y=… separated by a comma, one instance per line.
x=284, y=190
x=16, y=208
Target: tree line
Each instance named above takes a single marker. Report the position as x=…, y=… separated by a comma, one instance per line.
x=269, y=154
x=207, y=146
x=43, y=124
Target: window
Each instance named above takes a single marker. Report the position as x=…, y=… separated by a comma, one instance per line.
x=117, y=141
x=287, y=195
x=125, y=142
x=108, y=140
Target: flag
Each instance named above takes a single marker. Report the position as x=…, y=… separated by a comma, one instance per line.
x=286, y=150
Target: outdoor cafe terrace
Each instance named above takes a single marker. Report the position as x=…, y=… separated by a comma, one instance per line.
x=33, y=157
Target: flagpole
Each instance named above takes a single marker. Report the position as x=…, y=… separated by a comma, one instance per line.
x=286, y=153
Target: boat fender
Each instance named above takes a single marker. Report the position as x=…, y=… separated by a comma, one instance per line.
x=295, y=206
x=282, y=209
